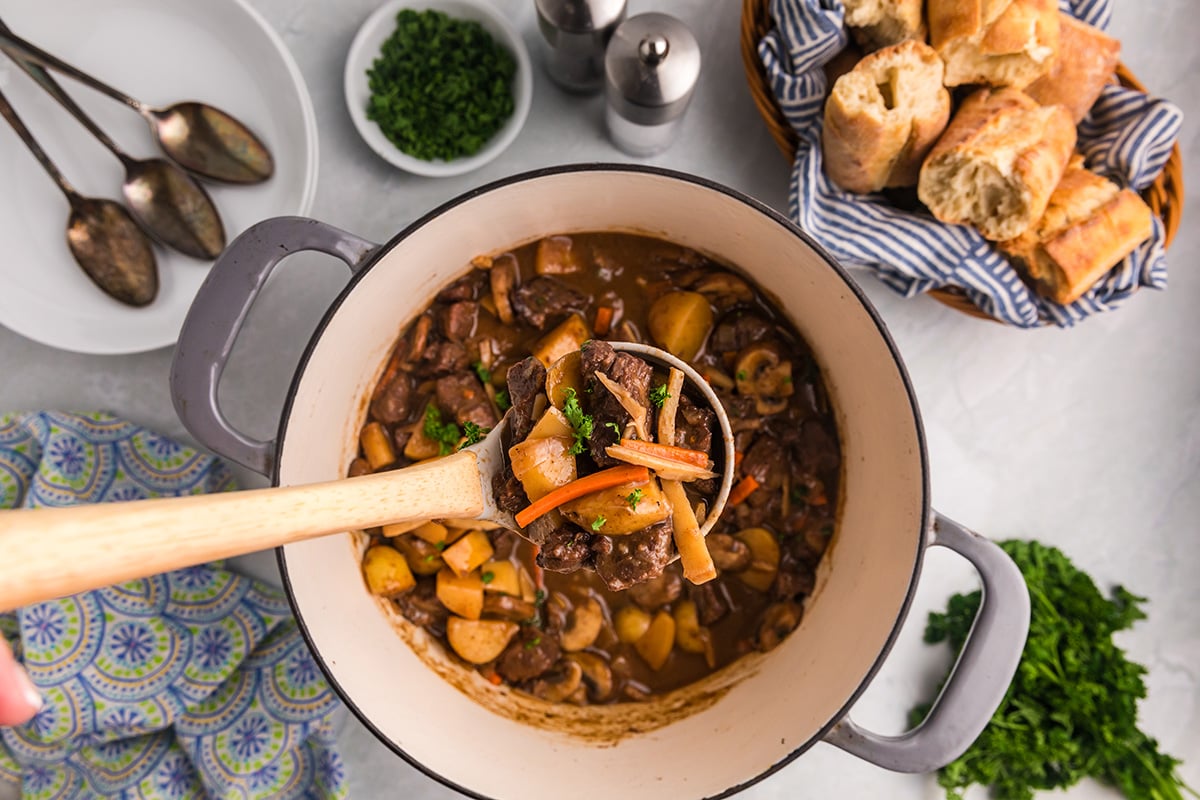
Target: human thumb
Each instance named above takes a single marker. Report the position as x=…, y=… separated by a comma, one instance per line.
x=19, y=698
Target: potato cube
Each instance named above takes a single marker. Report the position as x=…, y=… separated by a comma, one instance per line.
x=377, y=446
x=553, y=424
x=437, y=533
x=503, y=578
x=386, y=572
x=542, y=465
x=565, y=373
x=655, y=645
x=479, y=641
x=462, y=595
x=631, y=623
x=556, y=256
x=569, y=335
x=764, y=558
x=468, y=552
x=680, y=323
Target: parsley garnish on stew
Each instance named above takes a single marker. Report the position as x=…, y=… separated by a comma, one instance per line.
x=502, y=401
x=615, y=428
x=485, y=374
x=473, y=433
x=488, y=576
x=598, y=522
x=659, y=395
x=582, y=424
x=633, y=498
x=446, y=434
x=1071, y=711
x=441, y=87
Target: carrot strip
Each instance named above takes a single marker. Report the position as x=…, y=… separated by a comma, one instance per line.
x=697, y=458
x=604, y=318
x=597, y=481
x=738, y=455
x=495, y=679
x=745, y=487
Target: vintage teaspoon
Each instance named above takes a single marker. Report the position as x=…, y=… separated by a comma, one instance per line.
x=106, y=242
x=197, y=136
x=170, y=205
x=112, y=542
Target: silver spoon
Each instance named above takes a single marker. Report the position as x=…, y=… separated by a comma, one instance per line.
x=197, y=136
x=170, y=205
x=106, y=242
x=112, y=542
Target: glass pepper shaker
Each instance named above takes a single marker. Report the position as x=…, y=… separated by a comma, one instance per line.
x=575, y=34
x=651, y=68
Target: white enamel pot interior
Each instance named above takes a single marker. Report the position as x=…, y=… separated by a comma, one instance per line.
x=708, y=740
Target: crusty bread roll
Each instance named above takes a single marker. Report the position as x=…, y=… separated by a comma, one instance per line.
x=881, y=23
x=997, y=163
x=1085, y=61
x=1090, y=225
x=882, y=117
x=994, y=42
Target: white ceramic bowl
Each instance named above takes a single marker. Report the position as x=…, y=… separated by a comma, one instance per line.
x=365, y=48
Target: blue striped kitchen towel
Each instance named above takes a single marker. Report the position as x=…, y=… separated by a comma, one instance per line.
x=1127, y=137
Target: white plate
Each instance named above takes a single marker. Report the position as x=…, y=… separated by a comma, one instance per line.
x=159, y=51
x=365, y=49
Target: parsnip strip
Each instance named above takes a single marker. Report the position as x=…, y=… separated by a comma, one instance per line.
x=697, y=563
x=670, y=407
x=627, y=401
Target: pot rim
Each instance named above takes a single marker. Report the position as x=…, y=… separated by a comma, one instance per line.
x=598, y=167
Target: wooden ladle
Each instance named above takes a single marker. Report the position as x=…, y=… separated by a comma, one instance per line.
x=51, y=552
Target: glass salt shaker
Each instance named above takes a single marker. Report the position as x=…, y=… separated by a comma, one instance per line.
x=651, y=68
x=575, y=34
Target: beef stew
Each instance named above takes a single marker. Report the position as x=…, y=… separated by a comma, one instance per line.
x=588, y=616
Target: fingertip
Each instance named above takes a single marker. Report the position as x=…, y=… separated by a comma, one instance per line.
x=20, y=699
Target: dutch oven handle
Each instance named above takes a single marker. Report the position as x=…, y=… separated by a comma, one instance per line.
x=218, y=313
x=980, y=678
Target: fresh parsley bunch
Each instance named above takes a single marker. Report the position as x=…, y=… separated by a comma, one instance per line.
x=1071, y=711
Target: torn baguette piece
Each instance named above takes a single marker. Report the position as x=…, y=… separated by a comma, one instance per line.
x=882, y=23
x=1085, y=62
x=1090, y=225
x=883, y=116
x=994, y=42
x=997, y=163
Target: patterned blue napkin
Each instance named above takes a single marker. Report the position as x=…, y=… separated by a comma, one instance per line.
x=191, y=684
x=1127, y=137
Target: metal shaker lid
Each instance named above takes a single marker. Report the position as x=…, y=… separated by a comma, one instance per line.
x=580, y=16
x=651, y=68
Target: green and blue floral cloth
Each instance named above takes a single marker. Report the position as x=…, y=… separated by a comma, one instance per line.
x=192, y=684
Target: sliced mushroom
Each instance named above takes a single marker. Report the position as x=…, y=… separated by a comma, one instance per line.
x=728, y=553
x=503, y=278
x=724, y=289
x=596, y=674
x=778, y=621
x=583, y=626
x=765, y=376
x=506, y=607
x=559, y=684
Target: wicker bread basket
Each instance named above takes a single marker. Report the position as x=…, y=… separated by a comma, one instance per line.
x=1164, y=196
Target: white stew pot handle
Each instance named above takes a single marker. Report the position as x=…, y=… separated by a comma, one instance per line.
x=980, y=678
x=218, y=313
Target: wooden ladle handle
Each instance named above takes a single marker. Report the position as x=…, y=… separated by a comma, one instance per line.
x=51, y=552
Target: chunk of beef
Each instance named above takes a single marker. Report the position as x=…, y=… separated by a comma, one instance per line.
x=657, y=592
x=566, y=548
x=504, y=543
x=457, y=320
x=794, y=580
x=390, y=403
x=818, y=448
x=440, y=358
x=738, y=330
x=543, y=299
x=694, y=425
x=630, y=372
x=462, y=395
x=622, y=561
x=531, y=653
x=711, y=601
x=525, y=381
x=510, y=494
x=422, y=608
x=766, y=462
x=468, y=287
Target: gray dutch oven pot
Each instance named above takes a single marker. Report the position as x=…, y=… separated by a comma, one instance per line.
x=731, y=729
